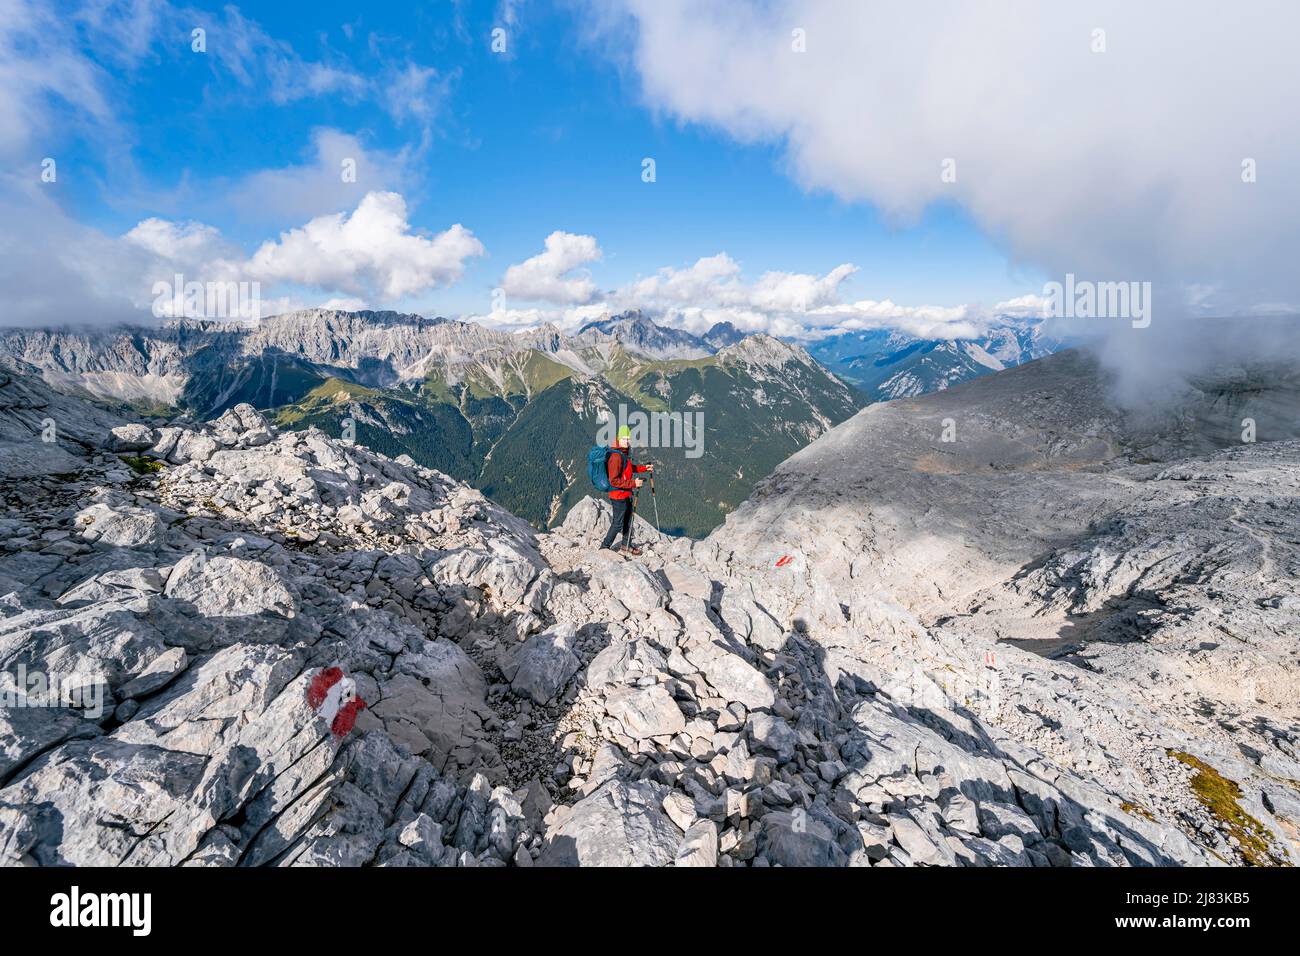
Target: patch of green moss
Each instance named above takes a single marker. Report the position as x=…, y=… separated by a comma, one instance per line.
x=142, y=465
x=1137, y=810
x=1219, y=795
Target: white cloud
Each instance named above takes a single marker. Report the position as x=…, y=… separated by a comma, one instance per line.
x=416, y=92
x=707, y=279
x=515, y=319
x=1122, y=165
x=342, y=305
x=45, y=81
x=70, y=273
x=798, y=292
x=257, y=61
x=357, y=244
x=406, y=90
x=183, y=244
x=64, y=272
x=373, y=250
x=923, y=322
x=553, y=275
x=713, y=289
x=1031, y=305
x=301, y=191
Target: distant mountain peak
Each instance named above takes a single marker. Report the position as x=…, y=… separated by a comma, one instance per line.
x=889, y=364
x=548, y=337
x=763, y=349
x=723, y=334
x=643, y=336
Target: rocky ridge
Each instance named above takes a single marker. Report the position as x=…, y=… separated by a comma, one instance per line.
x=1010, y=550
x=528, y=700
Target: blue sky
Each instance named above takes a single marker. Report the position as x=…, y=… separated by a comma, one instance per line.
x=550, y=136
x=797, y=190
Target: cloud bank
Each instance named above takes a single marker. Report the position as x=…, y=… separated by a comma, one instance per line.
x=714, y=289
x=1105, y=139
x=1110, y=140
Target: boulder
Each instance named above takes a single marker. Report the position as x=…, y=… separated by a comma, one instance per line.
x=71, y=807
x=132, y=436
x=193, y=446
x=166, y=442
x=997, y=820
x=543, y=665
x=436, y=705
x=645, y=711
x=621, y=824
x=750, y=622
x=505, y=571
x=28, y=731
x=232, y=597
x=121, y=527
x=121, y=585
x=732, y=676
x=160, y=672
x=635, y=588
x=108, y=640
x=680, y=809
x=920, y=847
x=589, y=519
x=624, y=662
x=796, y=838
x=699, y=845
x=773, y=735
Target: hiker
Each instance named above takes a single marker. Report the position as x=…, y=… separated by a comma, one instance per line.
x=621, y=472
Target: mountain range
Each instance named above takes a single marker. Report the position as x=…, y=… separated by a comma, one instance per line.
x=887, y=364
x=514, y=414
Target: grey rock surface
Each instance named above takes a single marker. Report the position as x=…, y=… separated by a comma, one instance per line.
x=645, y=712
x=1019, y=648
x=543, y=665
x=618, y=825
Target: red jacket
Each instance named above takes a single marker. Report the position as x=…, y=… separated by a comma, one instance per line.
x=619, y=468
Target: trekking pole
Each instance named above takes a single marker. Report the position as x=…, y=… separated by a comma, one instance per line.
x=655, y=499
x=631, y=522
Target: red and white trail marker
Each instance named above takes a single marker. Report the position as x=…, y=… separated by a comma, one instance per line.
x=334, y=698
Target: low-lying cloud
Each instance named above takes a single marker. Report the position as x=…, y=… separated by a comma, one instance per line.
x=1116, y=141
x=68, y=273
x=714, y=289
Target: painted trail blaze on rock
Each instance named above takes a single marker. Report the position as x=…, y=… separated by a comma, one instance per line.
x=334, y=698
x=783, y=560
x=320, y=686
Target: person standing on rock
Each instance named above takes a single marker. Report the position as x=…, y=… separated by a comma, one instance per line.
x=622, y=473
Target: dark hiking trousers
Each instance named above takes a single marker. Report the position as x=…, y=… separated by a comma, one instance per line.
x=622, y=523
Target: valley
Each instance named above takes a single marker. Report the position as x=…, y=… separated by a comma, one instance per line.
x=513, y=415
